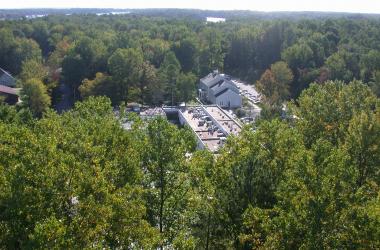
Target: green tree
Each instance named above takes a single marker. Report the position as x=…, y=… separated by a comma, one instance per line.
x=40, y=34
x=369, y=63
x=186, y=87
x=7, y=43
x=34, y=95
x=148, y=78
x=361, y=144
x=187, y=53
x=338, y=67
x=24, y=50
x=72, y=71
x=125, y=66
x=275, y=83
x=61, y=189
x=212, y=53
x=375, y=83
x=169, y=72
x=33, y=69
x=100, y=85
x=248, y=173
x=201, y=212
x=93, y=53
x=241, y=52
x=329, y=186
x=167, y=178
x=315, y=206
x=155, y=50
x=298, y=56
x=326, y=111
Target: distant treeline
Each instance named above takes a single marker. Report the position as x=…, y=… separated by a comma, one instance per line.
x=193, y=13
x=157, y=56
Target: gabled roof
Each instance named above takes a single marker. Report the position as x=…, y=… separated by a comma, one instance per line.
x=9, y=90
x=217, y=83
x=212, y=78
x=221, y=92
x=223, y=85
x=7, y=79
x=224, y=91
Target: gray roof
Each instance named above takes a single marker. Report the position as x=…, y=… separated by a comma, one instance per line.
x=222, y=92
x=8, y=90
x=7, y=79
x=223, y=85
x=219, y=84
x=213, y=78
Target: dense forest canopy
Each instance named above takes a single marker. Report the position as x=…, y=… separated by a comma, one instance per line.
x=151, y=58
x=78, y=180
x=306, y=180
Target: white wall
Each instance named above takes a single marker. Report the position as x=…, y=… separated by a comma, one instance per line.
x=229, y=99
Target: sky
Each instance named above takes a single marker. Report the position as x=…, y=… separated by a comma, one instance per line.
x=355, y=6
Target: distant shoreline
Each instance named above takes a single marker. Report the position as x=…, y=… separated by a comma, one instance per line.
x=174, y=12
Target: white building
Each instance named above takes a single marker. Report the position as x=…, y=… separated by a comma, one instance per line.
x=218, y=89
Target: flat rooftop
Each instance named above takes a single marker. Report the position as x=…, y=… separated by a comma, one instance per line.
x=224, y=119
x=152, y=113
x=203, y=129
x=211, y=124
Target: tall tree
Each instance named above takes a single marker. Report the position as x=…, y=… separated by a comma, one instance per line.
x=100, y=85
x=33, y=69
x=275, y=83
x=25, y=49
x=375, y=83
x=169, y=72
x=325, y=112
x=34, y=95
x=166, y=176
x=69, y=193
x=149, y=77
x=187, y=53
x=186, y=87
x=298, y=56
x=212, y=53
x=125, y=66
x=338, y=67
x=72, y=71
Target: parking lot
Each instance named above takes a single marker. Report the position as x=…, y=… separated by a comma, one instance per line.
x=253, y=98
x=248, y=91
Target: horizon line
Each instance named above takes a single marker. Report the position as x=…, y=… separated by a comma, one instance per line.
x=174, y=8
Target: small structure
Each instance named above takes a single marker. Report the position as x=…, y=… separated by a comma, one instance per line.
x=215, y=19
x=7, y=79
x=8, y=92
x=152, y=113
x=9, y=95
x=134, y=106
x=219, y=89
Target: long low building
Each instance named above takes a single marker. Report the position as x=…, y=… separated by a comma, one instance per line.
x=211, y=124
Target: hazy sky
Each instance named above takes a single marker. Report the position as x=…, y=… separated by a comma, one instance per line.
x=362, y=6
